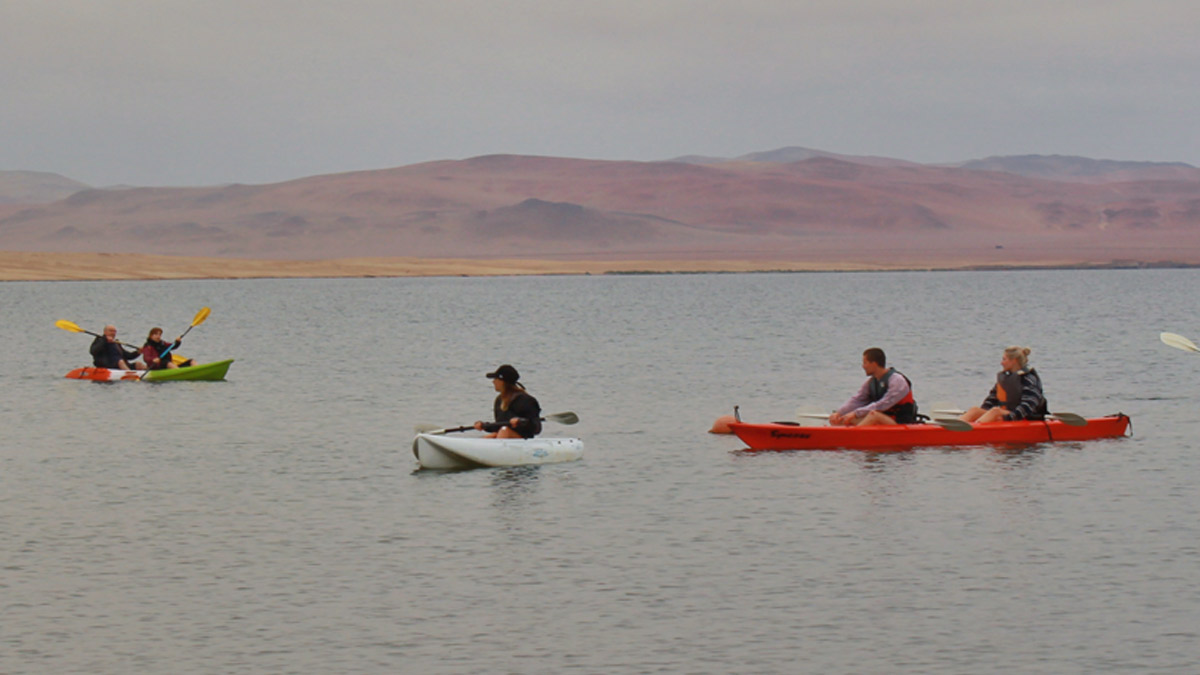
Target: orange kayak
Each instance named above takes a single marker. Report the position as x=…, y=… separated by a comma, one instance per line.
x=791, y=436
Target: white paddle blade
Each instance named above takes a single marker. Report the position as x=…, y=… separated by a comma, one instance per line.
x=948, y=411
x=1178, y=342
x=428, y=429
x=952, y=424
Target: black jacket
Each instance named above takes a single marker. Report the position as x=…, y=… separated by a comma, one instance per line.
x=523, y=406
x=107, y=354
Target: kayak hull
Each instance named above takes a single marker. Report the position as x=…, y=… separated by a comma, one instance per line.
x=205, y=371
x=440, y=451
x=780, y=436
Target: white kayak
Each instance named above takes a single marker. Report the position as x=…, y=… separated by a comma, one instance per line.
x=438, y=451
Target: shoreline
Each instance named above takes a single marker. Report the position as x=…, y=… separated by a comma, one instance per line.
x=41, y=266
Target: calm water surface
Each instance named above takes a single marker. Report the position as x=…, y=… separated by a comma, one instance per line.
x=275, y=522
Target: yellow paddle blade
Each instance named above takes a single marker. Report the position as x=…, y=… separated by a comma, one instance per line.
x=201, y=316
x=68, y=325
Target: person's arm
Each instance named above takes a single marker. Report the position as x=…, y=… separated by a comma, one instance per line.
x=897, y=389
x=856, y=401
x=526, y=412
x=98, y=346
x=992, y=400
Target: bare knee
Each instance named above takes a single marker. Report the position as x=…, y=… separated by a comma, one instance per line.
x=972, y=414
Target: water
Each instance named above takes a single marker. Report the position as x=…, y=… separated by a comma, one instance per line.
x=275, y=522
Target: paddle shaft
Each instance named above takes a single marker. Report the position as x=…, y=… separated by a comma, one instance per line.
x=949, y=425
x=561, y=418
x=200, y=318
x=1071, y=419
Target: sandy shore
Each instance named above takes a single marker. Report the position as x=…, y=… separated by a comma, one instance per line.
x=23, y=266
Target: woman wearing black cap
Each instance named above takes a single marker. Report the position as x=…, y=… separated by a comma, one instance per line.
x=517, y=414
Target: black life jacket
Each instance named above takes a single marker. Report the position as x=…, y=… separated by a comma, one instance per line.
x=1009, y=390
x=905, y=410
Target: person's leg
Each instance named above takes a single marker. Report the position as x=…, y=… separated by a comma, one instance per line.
x=993, y=415
x=876, y=418
x=972, y=414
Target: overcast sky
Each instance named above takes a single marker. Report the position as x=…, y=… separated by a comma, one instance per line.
x=191, y=92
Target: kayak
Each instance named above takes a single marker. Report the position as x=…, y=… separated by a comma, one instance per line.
x=205, y=371
x=792, y=436
x=439, y=451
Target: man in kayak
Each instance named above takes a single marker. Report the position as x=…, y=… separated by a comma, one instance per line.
x=1017, y=394
x=885, y=398
x=107, y=352
x=517, y=414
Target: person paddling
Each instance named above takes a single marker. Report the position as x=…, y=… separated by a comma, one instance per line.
x=152, y=351
x=1017, y=394
x=108, y=352
x=516, y=412
x=885, y=398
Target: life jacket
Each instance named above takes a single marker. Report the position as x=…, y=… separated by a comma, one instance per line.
x=1009, y=390
x=905, y=410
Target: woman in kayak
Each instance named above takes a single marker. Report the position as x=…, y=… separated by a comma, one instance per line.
x=153, y=350
x=517, y=414
x=1017, y=394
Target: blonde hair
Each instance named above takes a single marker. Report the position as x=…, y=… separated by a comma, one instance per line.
x=1018, y=354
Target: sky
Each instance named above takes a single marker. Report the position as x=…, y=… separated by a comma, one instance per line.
x=206, y=92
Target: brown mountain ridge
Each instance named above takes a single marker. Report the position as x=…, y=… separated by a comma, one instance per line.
x=820, y=208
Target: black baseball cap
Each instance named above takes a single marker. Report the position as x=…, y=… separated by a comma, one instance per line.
x=505, y=373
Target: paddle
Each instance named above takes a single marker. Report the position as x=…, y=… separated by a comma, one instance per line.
x=1070, y=419
x=196, y=321
x=949, y=425
x=72, y=327
x=561, y=418
x=1178, y=342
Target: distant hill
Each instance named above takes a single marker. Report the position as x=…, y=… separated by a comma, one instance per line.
x=791, y=155
x=1064, y=167
x=791, y=204
x=36, y=187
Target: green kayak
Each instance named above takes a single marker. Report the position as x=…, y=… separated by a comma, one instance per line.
x=205, y=371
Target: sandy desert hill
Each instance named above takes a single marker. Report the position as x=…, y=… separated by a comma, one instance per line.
x=788, y=205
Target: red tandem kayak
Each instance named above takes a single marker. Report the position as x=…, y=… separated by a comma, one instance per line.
x=785, y=436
